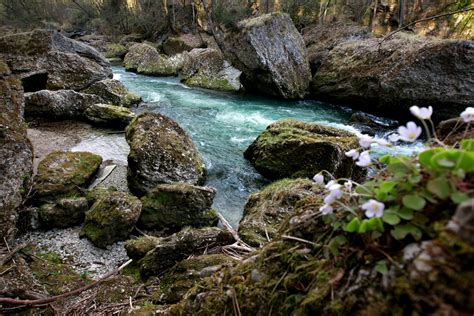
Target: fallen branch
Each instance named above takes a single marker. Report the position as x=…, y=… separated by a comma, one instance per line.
x=10, y=255
x=12, y=301
x=422, y=20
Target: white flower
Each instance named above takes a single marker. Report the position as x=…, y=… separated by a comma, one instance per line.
x=422, y=113
x=373, y=208
x=335, y=193
x=410, y=132
x=365, y=140
x=319, y=178
x=329, y=199
x=326, y=209
x=329, y=184
x=353, y=153
x=348, y=185
x=468, y=114
x=382, y=142
x=364, y=159
x=394, y=137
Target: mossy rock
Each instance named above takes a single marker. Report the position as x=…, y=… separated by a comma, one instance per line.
x=294, y=149
x=185, y=42
x=109, y=115
x=94, y=194
x=115, y=50
x=265, y=211
x=65, y=213
x=111, y=218
x=160, y=152
x=172, y=249
x=173, y=206
x=137, y=248
x=114, y=92
x=63, y=174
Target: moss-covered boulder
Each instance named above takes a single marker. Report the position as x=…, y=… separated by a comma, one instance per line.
x=111, y=218
x=16, y=152
x=160, y=152
x=109, y=115
x=115, y=50
x=265, y=211
x=145, y=59
x=63, y=174
x=173, y=206
x=182, y=277
x=65, y=213
x=172, y=249
x=114, y=92
x=137, y=248
x=206, y=68
x=185, y=42
x=292, y=149
x=271, y=54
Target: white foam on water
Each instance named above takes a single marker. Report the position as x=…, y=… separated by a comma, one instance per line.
x=237, y=118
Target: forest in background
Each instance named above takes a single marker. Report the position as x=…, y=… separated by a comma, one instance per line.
x=157, y=18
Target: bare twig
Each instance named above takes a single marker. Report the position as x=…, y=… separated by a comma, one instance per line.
x=11, y=253
x=11, y=301
x=299, y=239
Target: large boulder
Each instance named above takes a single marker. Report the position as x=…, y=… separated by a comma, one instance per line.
x=206, y=68
x=114, y=92
x=63, y=174
x=160, y=152
x=265, y=211
x=182, y=43
x=65, y=213
x=388, y=77
x=293, y=149
x=16, y=152
x=145, y=59
x=45, y=59
x=271, y=53
x=62, y=104
x=111, y=218
x=108, y=115
x=170, y=250
x=173, y=206
x=137, y=248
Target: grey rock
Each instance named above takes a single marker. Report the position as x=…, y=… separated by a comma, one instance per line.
x=66, y=212
x=462, y=223
x=114, y=92
x=109, y=115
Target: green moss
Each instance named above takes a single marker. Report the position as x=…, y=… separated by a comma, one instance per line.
x=116, y=51
x=209, y=82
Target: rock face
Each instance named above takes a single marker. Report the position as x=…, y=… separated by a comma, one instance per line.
x=404, y=70
x=45, y=59
x=173, y=206
x=16, y=152
x=114, y=92
x=454, y=130
x=65, y=213
x=111, y=218
x=109, y=115
x=160, y=152
x=145, y=59
x=62, y=104
x=179, y=246
x=63, y=174
x=292, y=149
x=265, y=211
x=271, y=54
x=182, y=43
x=206, y=68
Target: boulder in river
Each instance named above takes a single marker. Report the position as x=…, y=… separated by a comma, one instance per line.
x=114, y=92
x=206, y=68
x=111, y=218
x=265, y=211
x=160, y=152
x=172, y=249
x=45, y=59
x=294, y=149
x=386, y=78
x=145, y=59
x=271, y=53
x=65, y=213
x=182, y=43
x=109, y=115
x=173, y=206
x=16, y=152
x=63, y=174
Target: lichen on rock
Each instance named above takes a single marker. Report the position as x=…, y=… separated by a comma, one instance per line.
x=114, y=92
x=109, y=115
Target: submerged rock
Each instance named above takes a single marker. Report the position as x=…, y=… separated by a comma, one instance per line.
x=292, y=149
x=145, y=59
x=387, y=78
x=265, y=211
x=173, y=206
x=111, y=218
x=182, y=43
x=45, y=59
x=371, y=124
x=63, y=174
x=172, y=249
x=206, y=68
x=65, y=213
x=160, y=152
x=271, y=53
x=114, y=92
x=109, y=115
x=16, y=152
